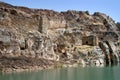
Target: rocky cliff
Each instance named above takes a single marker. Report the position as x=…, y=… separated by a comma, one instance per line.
x=58, y=36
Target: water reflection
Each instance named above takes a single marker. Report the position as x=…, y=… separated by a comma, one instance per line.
x=87, y=73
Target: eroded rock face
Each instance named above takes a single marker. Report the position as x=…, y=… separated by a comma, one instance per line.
x=110, y=51
x=118, y=25
x=39, y=33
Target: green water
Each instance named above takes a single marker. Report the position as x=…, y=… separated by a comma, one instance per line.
x=87, y=73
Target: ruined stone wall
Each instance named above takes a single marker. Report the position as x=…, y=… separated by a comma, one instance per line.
x=54, y=24
x=90, y=40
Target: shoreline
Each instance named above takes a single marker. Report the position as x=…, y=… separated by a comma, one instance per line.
x=21, y=64
x=27, y=64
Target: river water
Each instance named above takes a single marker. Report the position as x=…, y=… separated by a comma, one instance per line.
x=78, y=73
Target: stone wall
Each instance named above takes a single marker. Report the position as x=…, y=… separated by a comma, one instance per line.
x=54, y=24
x=90, y=40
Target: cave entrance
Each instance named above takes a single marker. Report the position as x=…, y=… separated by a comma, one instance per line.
x=101, y=38
x=1, y=42
x=86, y=42
x=22, y=48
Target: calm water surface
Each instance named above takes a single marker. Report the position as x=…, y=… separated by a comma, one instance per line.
x=87, y=73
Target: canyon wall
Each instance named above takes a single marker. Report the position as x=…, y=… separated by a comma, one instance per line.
x=41, y=33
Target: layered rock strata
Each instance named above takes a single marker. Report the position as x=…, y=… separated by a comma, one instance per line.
x=58, y=36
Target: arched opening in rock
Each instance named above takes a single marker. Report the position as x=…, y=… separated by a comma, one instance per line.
x=22, y=48
x=1, y=42
x=65, y=54
x=115, y=59
x=101, y=38
x=86, y=42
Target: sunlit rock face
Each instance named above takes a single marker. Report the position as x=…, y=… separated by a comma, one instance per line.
x=41, y=33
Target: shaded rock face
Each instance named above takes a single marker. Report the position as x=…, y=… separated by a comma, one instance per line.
x=52, y=35
x=118, y=25
x=110, y=51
